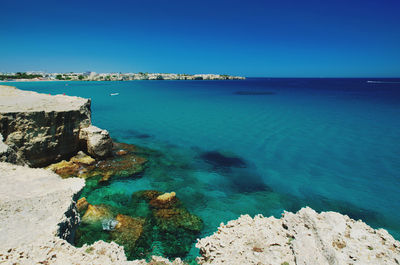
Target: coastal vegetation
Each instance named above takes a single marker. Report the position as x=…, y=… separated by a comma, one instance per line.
x=20, y=75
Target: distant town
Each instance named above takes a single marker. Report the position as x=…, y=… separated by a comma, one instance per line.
x=93, y=76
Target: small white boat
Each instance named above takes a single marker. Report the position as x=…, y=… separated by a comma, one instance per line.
x=114, y=94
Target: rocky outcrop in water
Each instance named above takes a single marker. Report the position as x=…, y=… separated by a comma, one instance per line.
x=302, y=238
x=121, y=163
x=96, y=141
x=43, y=129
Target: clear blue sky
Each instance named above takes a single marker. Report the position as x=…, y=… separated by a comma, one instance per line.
x=280, y=38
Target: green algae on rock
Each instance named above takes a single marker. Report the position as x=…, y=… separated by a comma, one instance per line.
x=169, y=223
x=127, y=231
x=151, y=223
x=124, y=162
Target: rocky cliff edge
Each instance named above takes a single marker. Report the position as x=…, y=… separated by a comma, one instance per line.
x=305, y=237
x=40, y=129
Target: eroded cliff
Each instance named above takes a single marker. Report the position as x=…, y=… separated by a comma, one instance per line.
x=43, y=129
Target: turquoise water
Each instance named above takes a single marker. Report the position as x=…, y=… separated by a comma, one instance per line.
x=259, y=145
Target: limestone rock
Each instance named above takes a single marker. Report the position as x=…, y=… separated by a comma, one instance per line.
x=80, y=166
x=36, y=209
x=98, y=141
x=166, y=200
x=82, y=205
x=83, y=158
x=97, y=213
x=166, y=196
x=121, y=152
x=65, y=169
x=127, y=231
x=6, y=153
x=41, y=128
x=302, y=238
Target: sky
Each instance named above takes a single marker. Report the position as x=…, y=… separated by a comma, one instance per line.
x=280, y=38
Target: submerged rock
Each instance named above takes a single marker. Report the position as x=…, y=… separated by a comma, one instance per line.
x=168, y=223
x=221, y=160
x=127, y=231
x=170, y=219
x=146, y=195
x=97, y=213
x=84, y=166
x=82, y=205
x=121, y=152
x=77, y=166
x=164, y=201
x=83, y=158
x=109, y=224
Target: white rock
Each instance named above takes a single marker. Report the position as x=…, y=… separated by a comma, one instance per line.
x=98, y=141
x=302, y=238
x=36, y=207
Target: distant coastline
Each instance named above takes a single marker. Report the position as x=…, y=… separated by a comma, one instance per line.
x=92, y=76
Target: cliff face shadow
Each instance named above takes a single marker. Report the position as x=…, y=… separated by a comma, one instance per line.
x=222, y=161
x=254, y=93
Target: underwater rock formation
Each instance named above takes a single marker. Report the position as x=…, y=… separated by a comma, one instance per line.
x=77, y=166
x=82, y=205
x=84, y=166
x=164, y=228
x=127, y=231
x=96, y=213
x=170, y=222
x=221, y=160
x=164, y=201
x=302, y=238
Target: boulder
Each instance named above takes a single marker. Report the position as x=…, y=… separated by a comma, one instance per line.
x=165, y=201
x=127, y=231
x=97, y=213
x=80, y=165
x=83, y=158
x=97, y=142
x=82, y=205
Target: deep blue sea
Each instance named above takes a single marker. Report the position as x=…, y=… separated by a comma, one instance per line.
x=259, y=145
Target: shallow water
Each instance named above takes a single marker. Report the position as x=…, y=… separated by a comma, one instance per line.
x=259, y=145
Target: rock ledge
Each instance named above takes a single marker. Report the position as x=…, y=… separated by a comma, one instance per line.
x=302, y=238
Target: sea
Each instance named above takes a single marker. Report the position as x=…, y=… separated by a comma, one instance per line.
x=257, y=146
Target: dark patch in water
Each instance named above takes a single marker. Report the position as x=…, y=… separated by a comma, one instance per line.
x=137, y=134
x=143, y=136
x=220, y=160
x=254, y=93
x=243, y=181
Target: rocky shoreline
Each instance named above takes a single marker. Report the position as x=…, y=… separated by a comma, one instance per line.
x=39, y=213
